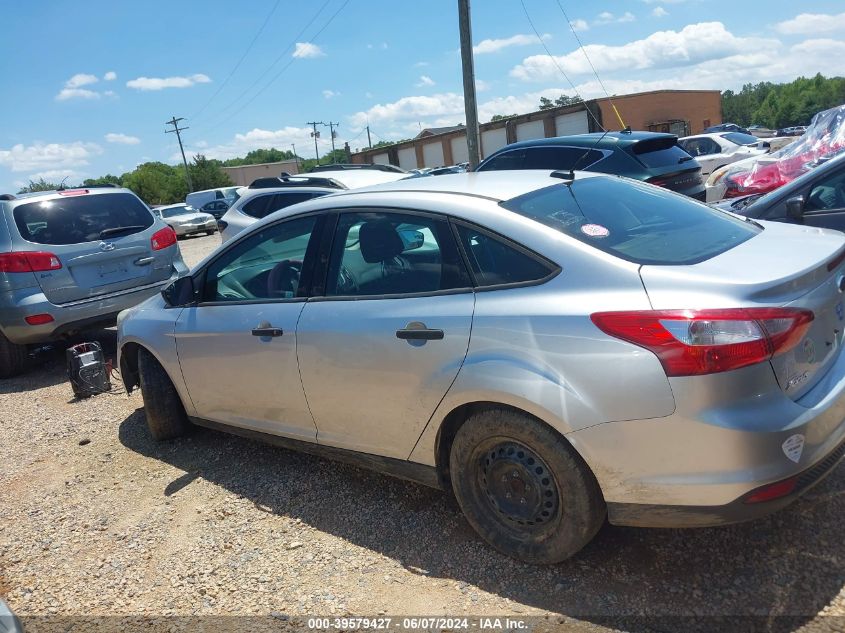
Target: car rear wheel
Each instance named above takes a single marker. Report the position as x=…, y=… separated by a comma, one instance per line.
x=524, y=488
x=166, y=417
x=12, y=357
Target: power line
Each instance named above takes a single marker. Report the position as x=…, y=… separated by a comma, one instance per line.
x=269, y=68
x=554, y=61
x=587, y=57
x=175, y=123
x=240, y=61
x=284, y=68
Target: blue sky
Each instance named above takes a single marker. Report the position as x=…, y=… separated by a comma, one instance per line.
x=90, y=85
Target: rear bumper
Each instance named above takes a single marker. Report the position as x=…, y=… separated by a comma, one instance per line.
x=730, y=435
x=737, y=511
x=69, y=318
x=182, y=231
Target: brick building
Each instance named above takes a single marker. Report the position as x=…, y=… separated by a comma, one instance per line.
x=680, y=112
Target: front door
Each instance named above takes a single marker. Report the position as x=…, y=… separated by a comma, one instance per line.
x=381, y=349
x=825, y=203
x=237, y=346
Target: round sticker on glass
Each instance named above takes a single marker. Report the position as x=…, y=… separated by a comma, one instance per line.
x=595, y=230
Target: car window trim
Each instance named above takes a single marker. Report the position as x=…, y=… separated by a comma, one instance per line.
x=200, y=273
x=368, y=209
x=554, y=268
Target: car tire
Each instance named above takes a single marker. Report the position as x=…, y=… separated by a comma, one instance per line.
x=523, y=487
x=12, y=357
x=166, y=417
x=210, y=232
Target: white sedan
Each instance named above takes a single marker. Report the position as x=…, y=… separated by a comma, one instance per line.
x=186, y=220
x=712, y=151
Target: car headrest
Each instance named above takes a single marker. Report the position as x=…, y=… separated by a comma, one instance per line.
x=379, y=241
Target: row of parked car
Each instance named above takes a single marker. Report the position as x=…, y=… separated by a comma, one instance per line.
x=553, y=342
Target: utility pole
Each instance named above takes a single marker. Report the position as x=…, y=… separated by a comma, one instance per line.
x=333, y=133
x=369, y=141
x=175, y=123
x=470, y=105
x=315, y=135
x=295, y=157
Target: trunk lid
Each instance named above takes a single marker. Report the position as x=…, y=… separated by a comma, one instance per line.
x=784, y=265
x=71, y=228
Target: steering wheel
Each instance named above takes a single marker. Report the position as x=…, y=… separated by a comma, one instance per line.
x=346, y=282
x=283, y=280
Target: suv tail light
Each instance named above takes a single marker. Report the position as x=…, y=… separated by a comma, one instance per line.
x=163, y=238
x=697, y=342
x=658, y=181
x=28, y=262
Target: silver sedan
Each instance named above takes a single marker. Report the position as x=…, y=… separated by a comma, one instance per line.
x=554, y=348
x=186, y=220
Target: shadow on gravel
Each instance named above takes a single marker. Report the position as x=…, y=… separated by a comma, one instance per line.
x=789, y=565
x=46, y=366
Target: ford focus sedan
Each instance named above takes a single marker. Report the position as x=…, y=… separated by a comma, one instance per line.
x=554, y=348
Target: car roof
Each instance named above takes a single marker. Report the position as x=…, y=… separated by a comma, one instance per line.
x=599, y=140
x=354, y=178
x=58, y=194
x=249, y=194
x=495, y=185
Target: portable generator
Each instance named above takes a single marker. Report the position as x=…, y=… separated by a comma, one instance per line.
x=87, y=370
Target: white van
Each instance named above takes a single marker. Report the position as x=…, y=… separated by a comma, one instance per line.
x=198, y=198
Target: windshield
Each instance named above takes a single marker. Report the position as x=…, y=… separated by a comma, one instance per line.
x=739, y=138
x=174, y=211
x=634, y=221
x=76, y=219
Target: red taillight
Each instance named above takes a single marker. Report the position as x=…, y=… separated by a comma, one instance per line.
x=28, y=262
x=696, y=342
x=39, y=319
x=773, y=491
x=163, y=238
x=658, y=182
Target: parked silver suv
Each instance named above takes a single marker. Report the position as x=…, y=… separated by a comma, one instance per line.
x=73, y=259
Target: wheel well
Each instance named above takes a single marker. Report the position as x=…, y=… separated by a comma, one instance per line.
x=449, y=428
x=129, y=365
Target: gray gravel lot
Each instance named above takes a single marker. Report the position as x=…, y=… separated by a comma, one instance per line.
x=215, y=524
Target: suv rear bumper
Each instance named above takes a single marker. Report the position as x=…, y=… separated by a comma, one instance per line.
x=68, y=318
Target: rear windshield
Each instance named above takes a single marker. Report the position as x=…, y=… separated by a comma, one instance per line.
x=739, y=138
x=84, y=218
x=634, y=221
x=660, y=152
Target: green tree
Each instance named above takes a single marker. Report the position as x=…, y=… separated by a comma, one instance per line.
x=207, y=173
x=157, y=183
x=39, y=185
x=501, y=117
x=562, y=100
x=258, y=156
x=108, y=179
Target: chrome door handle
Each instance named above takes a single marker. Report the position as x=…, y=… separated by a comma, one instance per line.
x=144, y=261
x=419, y=334
x=267, y=331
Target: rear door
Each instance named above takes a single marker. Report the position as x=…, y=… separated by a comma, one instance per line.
x=103, y=241
x=379, y=351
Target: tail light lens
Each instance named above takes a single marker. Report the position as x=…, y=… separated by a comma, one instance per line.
x=773, y=491
x=39, y=319
x=28, y=262
x=697, y=342
x=658, y=182
x=163, y=238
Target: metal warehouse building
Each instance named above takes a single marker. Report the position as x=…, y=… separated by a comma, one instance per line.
x=680, y=112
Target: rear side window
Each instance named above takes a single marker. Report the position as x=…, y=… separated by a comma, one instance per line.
x=560, y=157
x=257, y=207
x=495, y=262
x=660, y=152
x=505, y=161
x=282, y=200
x=634, y=221
x=82, y=218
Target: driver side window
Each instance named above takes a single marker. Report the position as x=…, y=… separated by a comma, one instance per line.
x=827, y=194
x=265, y=266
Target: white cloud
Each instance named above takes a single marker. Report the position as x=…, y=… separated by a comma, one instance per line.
x=659, y=12
x=425, y=80
x=329, y=94
x=812, y=24
x=258, y=138
x=121, y=139
x=160, y=83
x=420, y=64
x=606, y=17
x=48, y=155
x=694, y=44
x=80, y=79
x=495, y=45
x=306, y=49
x=110, y=76
x=579, y=25
x=76, y=93
x=57, y=175
x=481, y=85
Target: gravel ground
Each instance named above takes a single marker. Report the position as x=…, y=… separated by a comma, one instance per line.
x=96, y=519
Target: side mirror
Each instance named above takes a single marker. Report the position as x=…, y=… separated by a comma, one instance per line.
x=795, y=208
x=180, y=293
